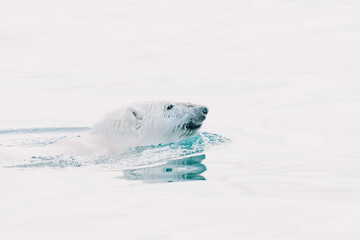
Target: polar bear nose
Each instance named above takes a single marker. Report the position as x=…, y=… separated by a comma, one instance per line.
x=205, y=110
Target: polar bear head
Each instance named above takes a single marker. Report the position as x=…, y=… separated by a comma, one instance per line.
x=150, y=123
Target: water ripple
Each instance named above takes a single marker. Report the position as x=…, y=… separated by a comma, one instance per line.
x=129, y=159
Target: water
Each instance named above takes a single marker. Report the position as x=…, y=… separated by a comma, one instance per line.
x=183, y=169
x=33, y=138
x=277, y=158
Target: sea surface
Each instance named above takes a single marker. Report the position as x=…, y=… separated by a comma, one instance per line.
x=278, y=156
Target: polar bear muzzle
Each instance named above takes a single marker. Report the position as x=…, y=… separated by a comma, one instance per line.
x=194, y=122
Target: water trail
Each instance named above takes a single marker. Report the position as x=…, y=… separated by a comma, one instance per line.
x=44, y=130
x=34, y=139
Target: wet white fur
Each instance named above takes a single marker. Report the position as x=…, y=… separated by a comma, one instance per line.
x=146, y=123
x=139, y=124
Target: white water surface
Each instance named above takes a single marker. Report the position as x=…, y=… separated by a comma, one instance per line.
x=281, y=80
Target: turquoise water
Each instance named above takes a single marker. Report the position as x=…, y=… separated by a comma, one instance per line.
x=163, y=163
x=278, y=156
x=182, y=169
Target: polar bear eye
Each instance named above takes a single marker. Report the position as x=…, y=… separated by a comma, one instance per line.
x=169, y=107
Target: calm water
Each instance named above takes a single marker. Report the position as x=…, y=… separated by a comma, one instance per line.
x=174, y=162
x=278, y=156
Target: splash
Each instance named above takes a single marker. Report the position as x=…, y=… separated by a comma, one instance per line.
x=130, y=158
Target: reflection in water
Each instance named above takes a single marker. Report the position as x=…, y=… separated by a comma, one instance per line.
x=184, y=169
x=31, y=141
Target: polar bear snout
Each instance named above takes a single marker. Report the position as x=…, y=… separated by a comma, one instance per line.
x=204, y=110
x=201, y=117
x=201, y=113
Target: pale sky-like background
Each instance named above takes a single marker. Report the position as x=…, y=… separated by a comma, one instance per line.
x=281, y=79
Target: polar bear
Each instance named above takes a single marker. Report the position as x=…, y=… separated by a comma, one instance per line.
x=138, y=124
x=149, y=123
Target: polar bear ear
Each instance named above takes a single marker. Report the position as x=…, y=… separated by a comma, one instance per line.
x=133, y=114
